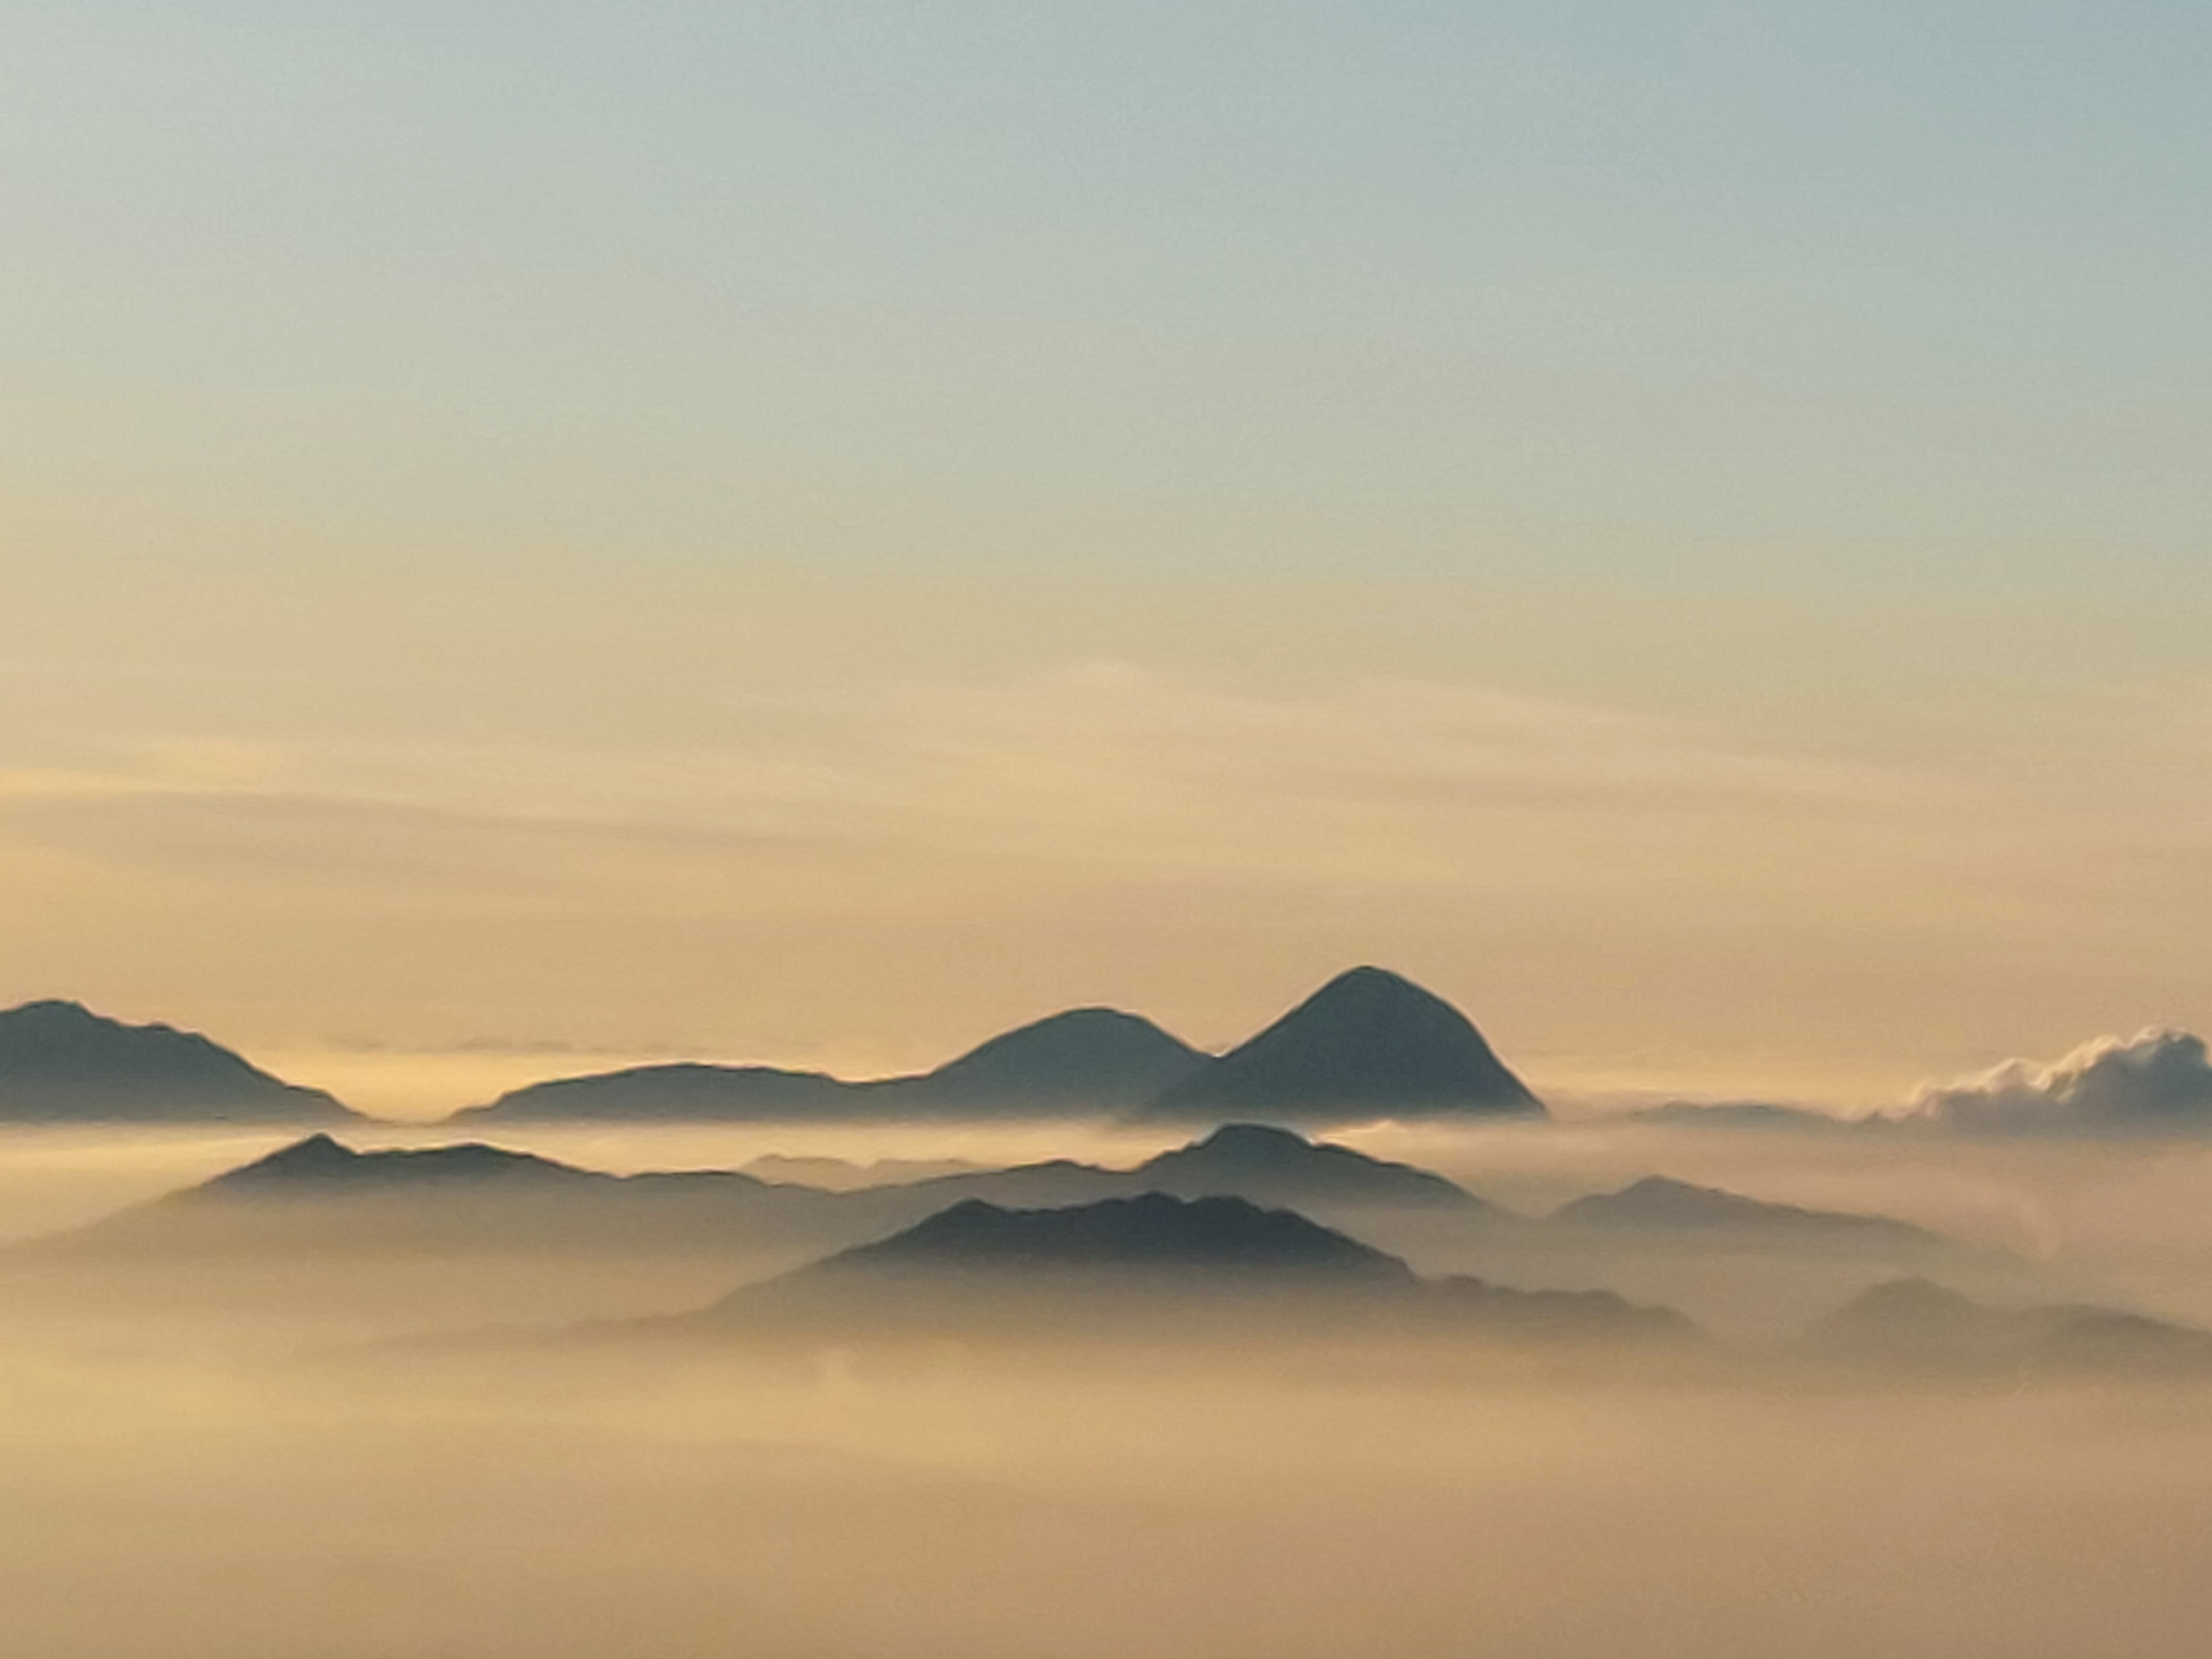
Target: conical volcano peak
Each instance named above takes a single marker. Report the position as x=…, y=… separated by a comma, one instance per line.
x=1376, y=994
x=1368, y=1044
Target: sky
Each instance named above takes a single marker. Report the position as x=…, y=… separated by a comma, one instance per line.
x=536, y=535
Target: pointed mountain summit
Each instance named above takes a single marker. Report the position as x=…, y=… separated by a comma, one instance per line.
x=62, y=1063
x=1367, y=1044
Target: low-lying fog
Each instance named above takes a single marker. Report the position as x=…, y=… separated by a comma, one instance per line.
x=169, y=1499
x=169, y=1514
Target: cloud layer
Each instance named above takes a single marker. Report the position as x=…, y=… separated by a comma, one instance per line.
x=2160, y=1077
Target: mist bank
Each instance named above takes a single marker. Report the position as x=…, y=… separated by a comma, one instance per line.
x=265, y=1513
x=423, y=1235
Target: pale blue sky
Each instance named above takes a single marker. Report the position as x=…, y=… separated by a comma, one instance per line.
x=812, y=533
x=1858, y=294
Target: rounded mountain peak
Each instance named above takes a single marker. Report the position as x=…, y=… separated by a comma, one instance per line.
x=1078, y=1054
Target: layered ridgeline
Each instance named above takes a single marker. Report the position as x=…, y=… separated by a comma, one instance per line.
x=318, y=1196
x=502, y=1235
x=319, y=1193
x=62, y=1063
x=1367, y=1045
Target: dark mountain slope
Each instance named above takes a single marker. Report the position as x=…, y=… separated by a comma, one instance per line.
x=1367, y=1045
x=1085, y=1057
x=683, y=1091
x=1206, y=1271
x=318, y=1196
x=320, y=1167
x=61, y=1063
x=1149, y=1233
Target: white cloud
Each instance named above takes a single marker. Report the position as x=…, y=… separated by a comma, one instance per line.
x=2159, y=1077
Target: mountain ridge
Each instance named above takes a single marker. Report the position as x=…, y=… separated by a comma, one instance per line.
x=1662, y=1202
x=1367, y=1044
x=1916, y=1323
x=1100, y=1058
x=62, y=1063
x=1214, y=1270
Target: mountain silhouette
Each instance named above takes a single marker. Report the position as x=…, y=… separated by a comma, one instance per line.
x=319, y=1194
x=374, y=1233
x=1368, y=1044
x=1085, y=1057
x=321, y=1167
x=317, y=1198
x=1205, y=1270
x=1093, y=1058
x=1912, y=1324
x=1271, y=1165
x=1152, y=1232
x=681, y=1091
x=60, y=1062
x=1659, y=1204
x=1264, y=1164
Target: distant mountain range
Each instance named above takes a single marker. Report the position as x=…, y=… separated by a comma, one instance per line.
x=1087, y=1060
x=1657, y=1203
x=317, y=1223
x=307, y=1206
x=1916, y=1326
x=60, y=1062
x=1368, y=1044
x=316, y=1201
x=317, y=1195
